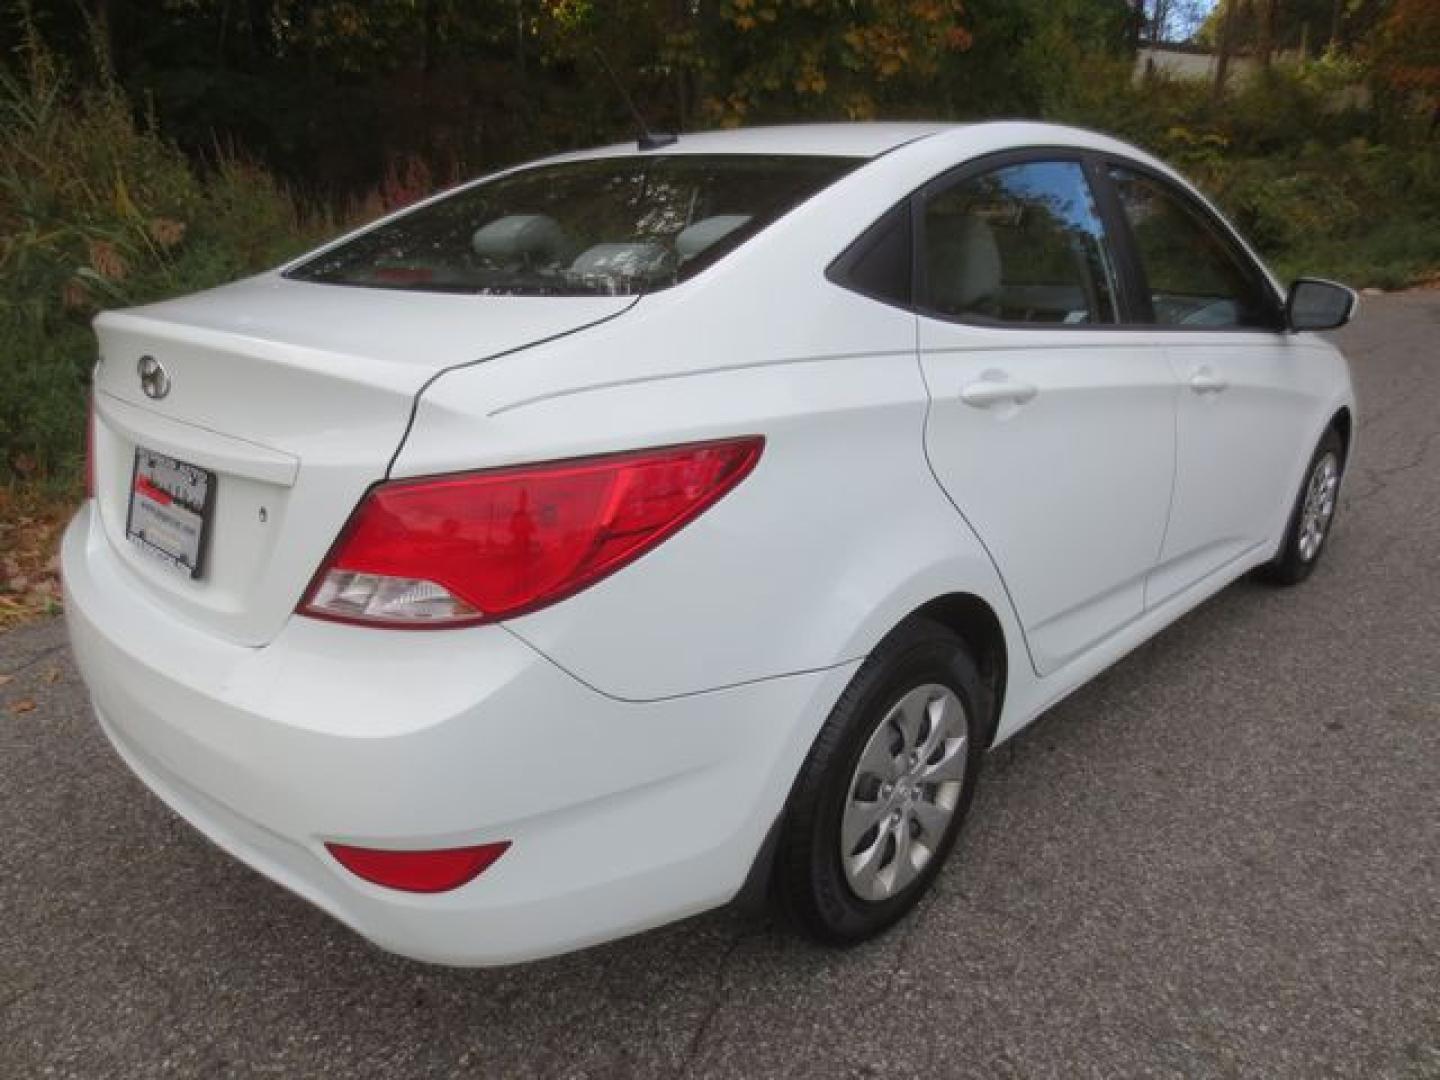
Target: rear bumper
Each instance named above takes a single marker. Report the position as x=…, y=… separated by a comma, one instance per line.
x=621, y=815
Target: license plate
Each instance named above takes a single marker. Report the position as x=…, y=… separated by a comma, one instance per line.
x=170, y=504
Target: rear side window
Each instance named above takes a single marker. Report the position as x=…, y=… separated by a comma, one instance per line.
x=1195, y=276
x=880, y=263
x=609, y=226
x=1019, y=244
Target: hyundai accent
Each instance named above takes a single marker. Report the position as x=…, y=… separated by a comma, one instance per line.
x=656, y=527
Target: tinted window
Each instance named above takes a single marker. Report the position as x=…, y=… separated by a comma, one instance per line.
x=608, y=226
x=880, y=263
x=1195, y=276
x=1021, y=244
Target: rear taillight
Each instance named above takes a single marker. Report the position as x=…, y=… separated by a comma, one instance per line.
x=90, y=450
x=430, y=871
x=475, y=547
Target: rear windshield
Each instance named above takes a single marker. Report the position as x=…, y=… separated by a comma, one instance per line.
x=609, y=226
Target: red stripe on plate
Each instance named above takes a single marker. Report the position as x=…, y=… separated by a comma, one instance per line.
x=150, y=491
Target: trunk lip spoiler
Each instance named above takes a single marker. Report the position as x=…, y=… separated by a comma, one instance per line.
x=185, y=440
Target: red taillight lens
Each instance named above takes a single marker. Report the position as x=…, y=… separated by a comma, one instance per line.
x=475, y=547
x=90, y=450
x=418, y=871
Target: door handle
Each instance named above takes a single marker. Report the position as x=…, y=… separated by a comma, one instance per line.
x=1206, y=381
x=985, y=392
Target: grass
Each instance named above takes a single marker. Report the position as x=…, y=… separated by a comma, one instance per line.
x=1393, y=255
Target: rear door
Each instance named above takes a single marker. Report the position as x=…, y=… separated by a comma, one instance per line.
x=1244, y=412
x=1052, y=428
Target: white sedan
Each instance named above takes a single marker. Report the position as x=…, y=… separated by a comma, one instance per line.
x=650, y=528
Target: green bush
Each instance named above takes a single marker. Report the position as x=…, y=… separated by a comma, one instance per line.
x=98, y=210
x=1320, y=183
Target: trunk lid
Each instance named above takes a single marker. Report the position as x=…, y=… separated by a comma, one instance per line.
x=296, y=396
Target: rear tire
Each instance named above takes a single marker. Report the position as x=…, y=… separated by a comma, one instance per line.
x=1313, y=515
x=885, y=788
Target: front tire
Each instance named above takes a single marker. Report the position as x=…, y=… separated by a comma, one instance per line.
x=1312, y=516
x=884, y=790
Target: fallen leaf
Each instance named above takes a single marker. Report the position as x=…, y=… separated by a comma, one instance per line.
x=167, y=232
x=51, y=676
x=107, y=260
x=6, y=678
x=24, y=705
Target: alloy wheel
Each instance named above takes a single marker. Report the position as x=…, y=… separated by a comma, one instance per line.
x=904, y=792
x=1319, y=506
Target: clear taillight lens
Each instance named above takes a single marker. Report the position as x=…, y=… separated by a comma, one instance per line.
x=475, y=547
x=380, y=598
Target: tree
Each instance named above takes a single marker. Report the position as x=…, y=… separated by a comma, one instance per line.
x=825, y=57
x=1269, y=26
x=331, y=94
x=1170, y=20
x=1267, y=15
x=1407, y=54
x=1228, y=16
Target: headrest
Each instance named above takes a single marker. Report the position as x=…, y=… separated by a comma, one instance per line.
x=693, y=239
x=620, y=261
x=519, y=236
x=963, y=264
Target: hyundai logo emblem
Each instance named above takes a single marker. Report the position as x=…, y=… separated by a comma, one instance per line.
x=154, y=379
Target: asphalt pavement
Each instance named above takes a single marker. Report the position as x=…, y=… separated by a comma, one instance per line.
x=1222, y=858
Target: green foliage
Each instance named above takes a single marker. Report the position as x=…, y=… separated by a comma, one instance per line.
x=1307, y=23
x=1320, y=181
x=1406, y=55
x=817, y=57
x=1331, y=165
x=99, y=211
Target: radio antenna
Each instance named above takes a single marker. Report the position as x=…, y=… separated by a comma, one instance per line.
x=646, y=139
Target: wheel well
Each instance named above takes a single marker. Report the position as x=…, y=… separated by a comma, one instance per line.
x=975, y=622
x=1343, y=424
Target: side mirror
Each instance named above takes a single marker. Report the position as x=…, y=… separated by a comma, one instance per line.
x=1314, y=304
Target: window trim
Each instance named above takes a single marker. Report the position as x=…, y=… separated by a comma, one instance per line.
x=1004, y=159
x=845, y=165
x=1133, y=294
x=839, y=272
x=1137, y=309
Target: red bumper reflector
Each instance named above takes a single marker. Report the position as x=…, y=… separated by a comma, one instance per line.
x=419, y=871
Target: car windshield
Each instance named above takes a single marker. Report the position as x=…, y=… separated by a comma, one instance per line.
x=609, y=226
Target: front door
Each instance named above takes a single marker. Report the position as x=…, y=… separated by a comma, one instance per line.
x=1243, y=413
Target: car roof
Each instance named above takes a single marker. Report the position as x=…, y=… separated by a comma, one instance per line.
x=861, y=139
x=858, y=139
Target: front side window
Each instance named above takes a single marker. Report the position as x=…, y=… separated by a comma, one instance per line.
x=1021, y=244
x=1196, y=278
x=608, y=226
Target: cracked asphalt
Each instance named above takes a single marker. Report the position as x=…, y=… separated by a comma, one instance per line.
x=1222, y=858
